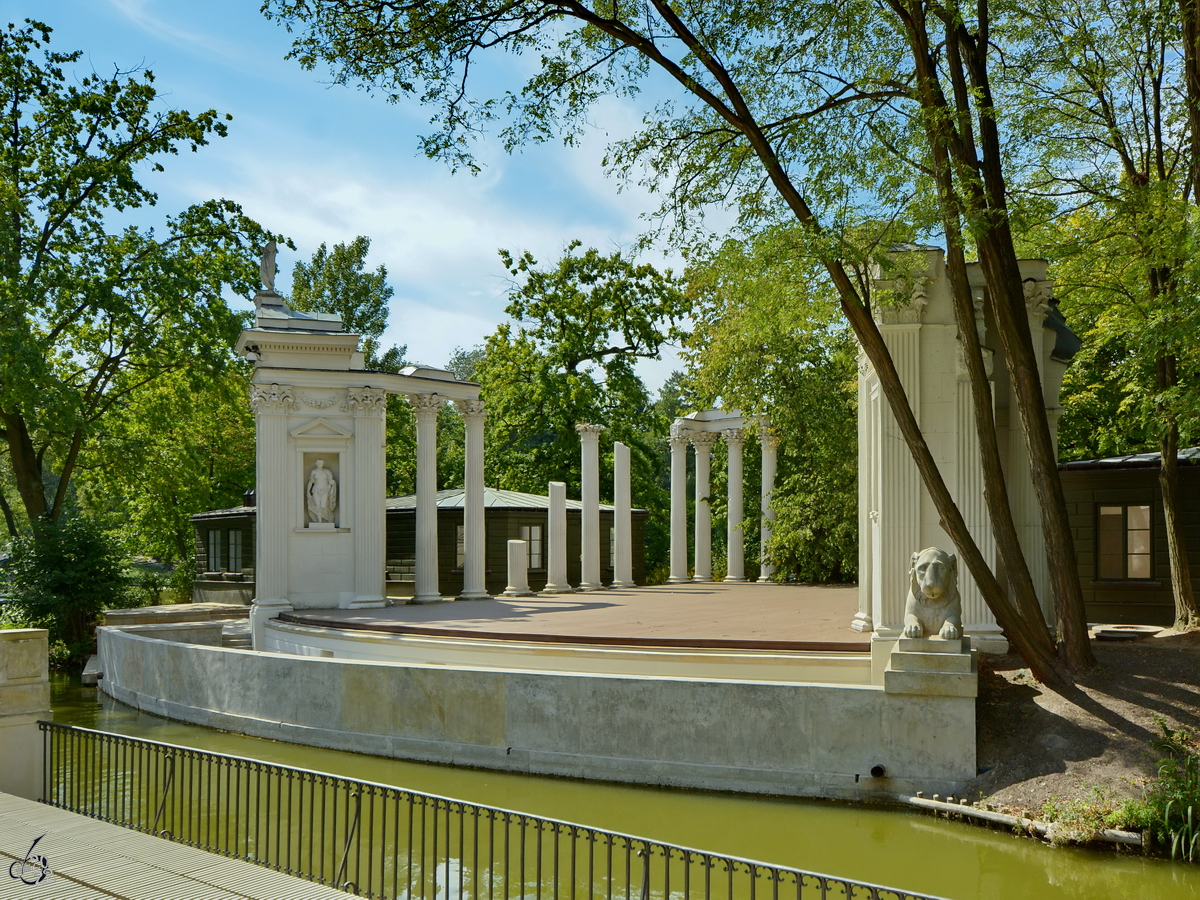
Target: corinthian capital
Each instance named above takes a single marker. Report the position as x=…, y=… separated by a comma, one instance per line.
x=366, y=401
x=734, y=437
x=703, y=440
x=471, y=409
x=267, y=399
x=589, y=432
x=425, y=406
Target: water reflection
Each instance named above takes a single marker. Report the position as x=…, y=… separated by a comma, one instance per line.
x=885, y=846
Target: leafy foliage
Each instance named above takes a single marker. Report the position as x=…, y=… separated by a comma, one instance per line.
x=63, y=576
x=336, y=281
x=768, y=341
x=90, y=314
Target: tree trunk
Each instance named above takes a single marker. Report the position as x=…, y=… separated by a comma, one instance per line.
x=1186, y=614
x=27, y=469
x=9, y=519
x=1189, y=17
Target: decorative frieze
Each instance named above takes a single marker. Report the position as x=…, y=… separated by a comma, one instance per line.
x=322, y=402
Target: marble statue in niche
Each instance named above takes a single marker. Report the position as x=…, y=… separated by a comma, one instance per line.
x=321, y=493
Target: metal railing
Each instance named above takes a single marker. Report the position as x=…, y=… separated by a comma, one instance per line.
x=387, y=842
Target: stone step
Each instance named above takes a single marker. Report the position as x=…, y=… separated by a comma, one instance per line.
x=902, y=661
x=931, y=684
x=930, y=645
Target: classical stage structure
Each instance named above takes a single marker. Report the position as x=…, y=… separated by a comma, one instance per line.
x=896, y=515
x=320, y=478
x=701, y=430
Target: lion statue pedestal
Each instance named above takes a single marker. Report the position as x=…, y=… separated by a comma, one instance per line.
x=931, y=657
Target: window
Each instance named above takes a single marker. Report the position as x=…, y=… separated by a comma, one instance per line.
x=1124, y=541
x=460, y=546
x=214, y=550
x=235, y=550
x=532, y=536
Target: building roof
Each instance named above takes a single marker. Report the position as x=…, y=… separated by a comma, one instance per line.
x=448, y=499
x=1189, y=456
x=492, y=498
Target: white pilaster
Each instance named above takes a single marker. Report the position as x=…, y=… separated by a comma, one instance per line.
x=272, y=403
x=679, y=561
x=518, y=570
x=474, y=535
x=769, y=445
x=703, y=442
x=622, y=519
x=736, y=566
x=556, y=541
x=369, y=408
x=589, y=549
x=425, y=408
x=863, y=623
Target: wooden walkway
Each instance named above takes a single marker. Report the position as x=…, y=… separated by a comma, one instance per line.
x=92, y=859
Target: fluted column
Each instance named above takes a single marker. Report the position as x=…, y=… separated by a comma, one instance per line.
x=703, y=442
x=736, y=566
x=589, y=545
x=369, y=408
x=556, y=541
x=518, y=570
x=274, y=480
x=474, y=534
x=622, y=519
x=770, y=446
x=679, y=562
x=426, y=407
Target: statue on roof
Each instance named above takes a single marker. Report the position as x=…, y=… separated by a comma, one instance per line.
x=266, y=267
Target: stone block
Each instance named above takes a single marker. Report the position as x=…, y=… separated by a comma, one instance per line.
x=24, y=699
x=903, y=661
x=24, y=659
x=931, y=684
x=929, y=645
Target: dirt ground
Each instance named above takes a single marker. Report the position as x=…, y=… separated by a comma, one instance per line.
x=1041, y=745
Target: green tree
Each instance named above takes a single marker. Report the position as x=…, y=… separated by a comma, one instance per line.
x=63, y=577
x=336, y=281
x=1114, y=74
x=90, y=314
x=569, y=357
x=768, y=340
x=826, y=114
x=183, y=445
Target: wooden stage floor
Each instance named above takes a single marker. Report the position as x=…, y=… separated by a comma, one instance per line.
x=689, y=613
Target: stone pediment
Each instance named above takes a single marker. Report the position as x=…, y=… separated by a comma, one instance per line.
x=320, y=428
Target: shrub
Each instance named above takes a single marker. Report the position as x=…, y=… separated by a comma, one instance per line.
x=63, y=576
x=1170, y=806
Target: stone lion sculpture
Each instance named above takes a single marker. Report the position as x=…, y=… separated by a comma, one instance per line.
x=933, y=605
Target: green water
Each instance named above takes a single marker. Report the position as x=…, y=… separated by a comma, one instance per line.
x=885, y=846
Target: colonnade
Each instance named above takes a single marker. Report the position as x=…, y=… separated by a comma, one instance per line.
x=701, y=431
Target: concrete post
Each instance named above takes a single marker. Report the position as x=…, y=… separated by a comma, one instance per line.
x=24, y=698
x=703, y=442
x=518, y=570
x=679, y=561
x=275, y=483
x=589, y=549
x=736, y=566
x=622, y=519
x=556, y=541
x=426, y=407
x=474, y=539
x=769, y=444
x=369, y=407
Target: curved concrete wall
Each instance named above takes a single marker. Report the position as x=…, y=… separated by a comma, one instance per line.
x=796, y=739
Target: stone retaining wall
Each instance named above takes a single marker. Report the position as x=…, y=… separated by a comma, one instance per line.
x=815, y=740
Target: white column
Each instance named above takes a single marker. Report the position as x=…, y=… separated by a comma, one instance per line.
x=863, y=621
x=518, y=570
x=589, y=543
x=736, y=566
x=369, y=407
x=622, y=519
x=273, y=483
x=474, y=534
x=556, y=541
x=703, y=442
x=426, y=407
x=679, y=561
x=770, y=446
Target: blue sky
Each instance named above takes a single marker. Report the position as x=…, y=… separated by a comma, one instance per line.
x=326, y=163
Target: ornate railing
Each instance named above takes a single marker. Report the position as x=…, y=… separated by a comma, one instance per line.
x=378, y=841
